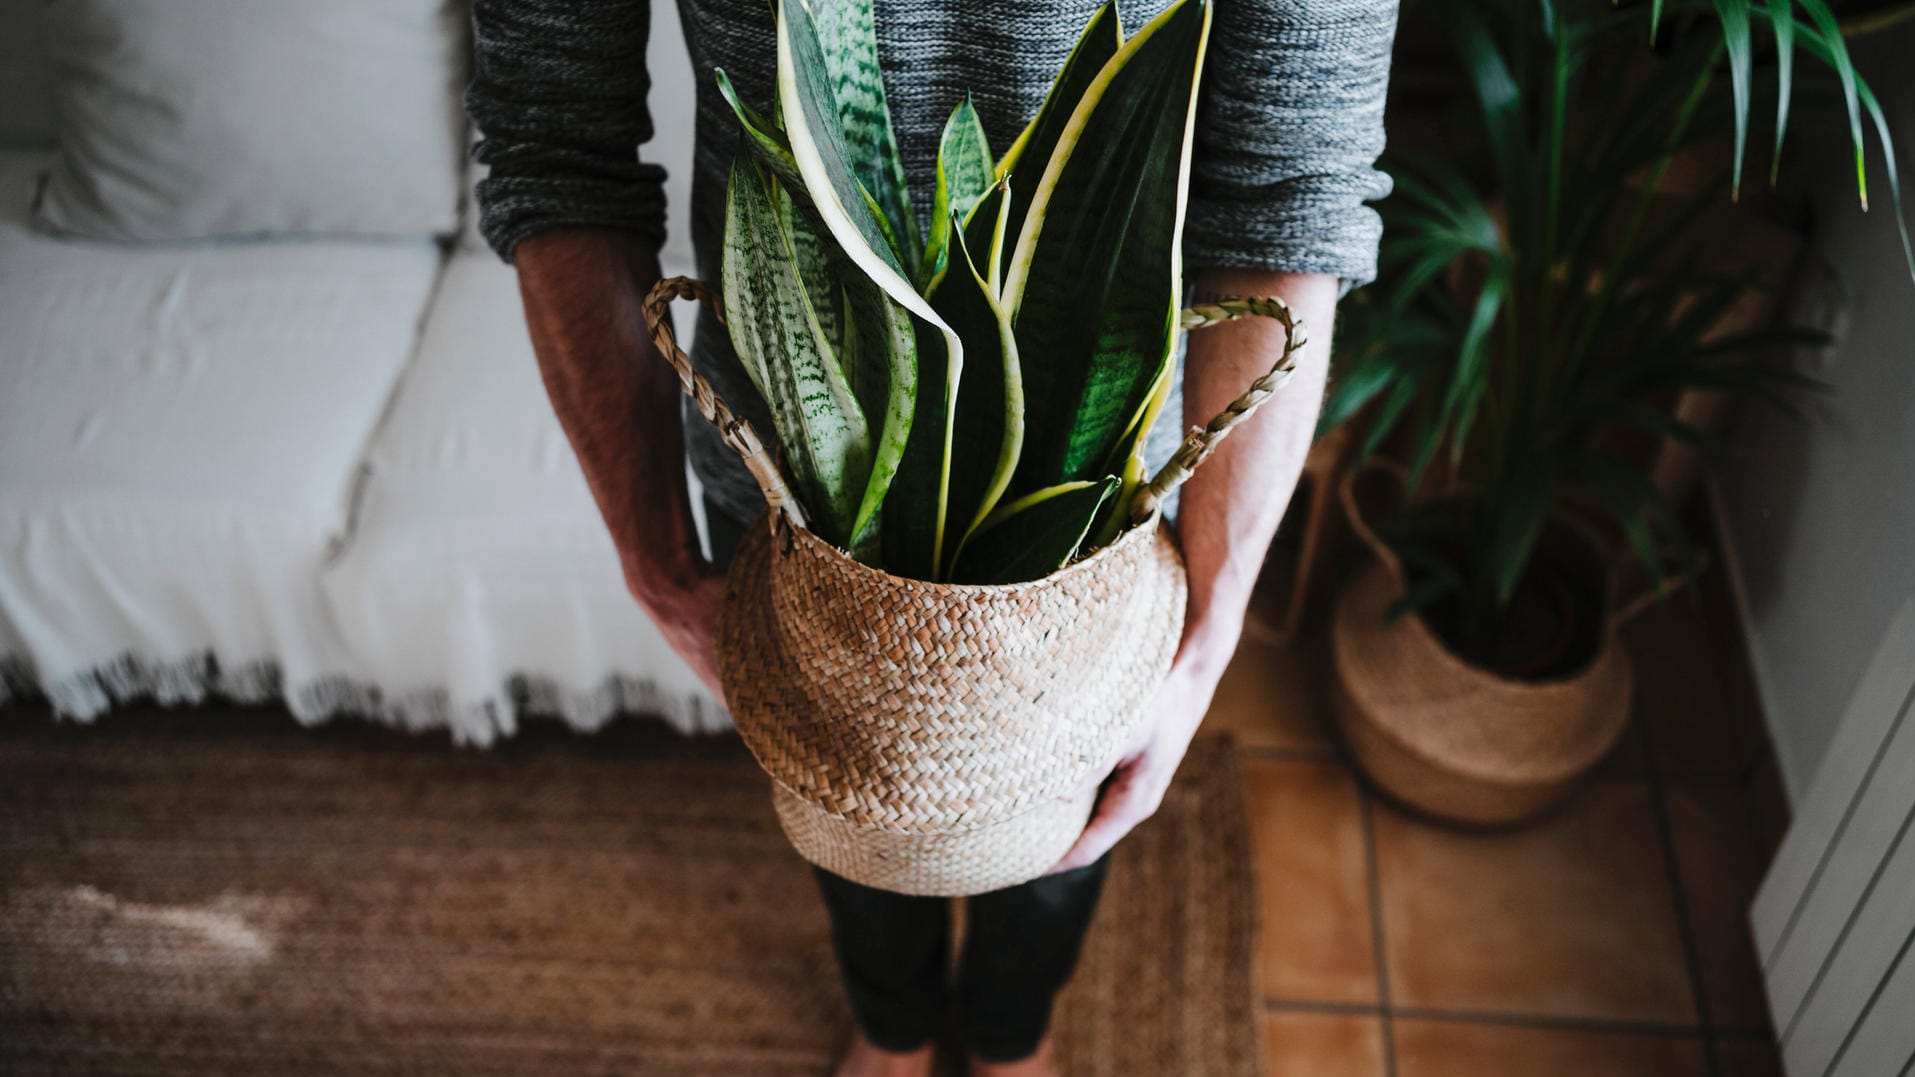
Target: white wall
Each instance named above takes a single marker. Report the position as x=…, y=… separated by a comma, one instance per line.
x=1820, y=516
x=670, y=67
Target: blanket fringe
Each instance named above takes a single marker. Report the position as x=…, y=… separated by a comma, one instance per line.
x=192, y=681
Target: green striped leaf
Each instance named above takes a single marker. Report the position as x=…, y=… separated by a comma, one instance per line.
x=964, y=174
x=1093, y=284
x=1035, y=535
x=1034, y=147
x=990, y=402
x=883, y=367
x=821, y=157
x=812, y=253
x=776, y=334
x=1127, y=460
x=918, y=505
x=847, y=36
x=767, y=142
x=984, y=233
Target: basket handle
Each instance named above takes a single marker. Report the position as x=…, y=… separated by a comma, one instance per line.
x=1203, y=440
x=1197, y=446
x=736, y=431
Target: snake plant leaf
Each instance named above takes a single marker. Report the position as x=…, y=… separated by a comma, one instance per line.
x=776, y=334
x=883, y=364
x=847, y=36
x=1127, y=459
x=1034, y=146
x=990, y=399
x=812, y=254
x=1093, y=284
x=964, y=174
x=819, y=151
x=918, y=505
x=761, y=133
x=1035, y=535
x=984, y=232
x=869, y=332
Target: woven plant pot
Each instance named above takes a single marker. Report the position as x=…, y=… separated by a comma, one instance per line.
x=944, y=739
x=1449, y=738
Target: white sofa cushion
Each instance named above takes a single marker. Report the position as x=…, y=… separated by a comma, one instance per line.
x=194, y=119
x=180, y=431
x=480, y=578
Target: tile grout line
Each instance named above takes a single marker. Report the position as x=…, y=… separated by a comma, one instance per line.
x=1328, y=1009
x=1621, y=1026
x=1679, y=894
x=1519, y=1019
x=1374, y=880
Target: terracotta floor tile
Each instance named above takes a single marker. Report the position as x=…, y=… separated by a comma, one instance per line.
x=1275, y=697
x=1572, y=916
x=1312, y=883
x=1743, y=1059
x=1468, y=1049
x=1692, y=695
x=1322, y=1045
x=1721, y=864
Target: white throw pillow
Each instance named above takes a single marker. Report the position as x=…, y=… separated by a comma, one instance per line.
x=198, y=119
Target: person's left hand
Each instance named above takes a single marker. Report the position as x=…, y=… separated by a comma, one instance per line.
x=1135, y=786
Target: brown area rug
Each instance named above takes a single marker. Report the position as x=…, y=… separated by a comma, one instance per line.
x=225, y=893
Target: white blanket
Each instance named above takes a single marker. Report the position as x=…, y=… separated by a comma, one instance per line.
x=179, y=433
x=479, y=579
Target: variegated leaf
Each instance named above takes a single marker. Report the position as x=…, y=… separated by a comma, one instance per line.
x=1032, y=150
x=847, y=35
x=1093, y=283
x=773, y=328
x=964, y=174
x=1034, y=536
x=988, y=423
x=821, y=156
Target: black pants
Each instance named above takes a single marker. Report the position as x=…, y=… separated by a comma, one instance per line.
x=1020, y=945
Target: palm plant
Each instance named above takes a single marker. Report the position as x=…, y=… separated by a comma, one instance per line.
x=970, y=404
x=1538, y=304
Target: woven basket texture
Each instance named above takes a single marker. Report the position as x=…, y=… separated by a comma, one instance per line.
x=939, y=738
x=1447, y=737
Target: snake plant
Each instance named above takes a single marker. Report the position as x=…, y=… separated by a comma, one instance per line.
x=968, y=402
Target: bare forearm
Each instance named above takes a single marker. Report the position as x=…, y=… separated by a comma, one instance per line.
x=1231, y=507
x=615, y=397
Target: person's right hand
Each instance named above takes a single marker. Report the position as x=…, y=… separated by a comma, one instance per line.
x=682, y=597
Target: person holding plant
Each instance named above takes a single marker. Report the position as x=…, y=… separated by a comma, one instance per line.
x=1287, y=135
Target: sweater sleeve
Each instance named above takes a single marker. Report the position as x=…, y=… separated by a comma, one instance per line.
x=558, y=95
x=1288, y=133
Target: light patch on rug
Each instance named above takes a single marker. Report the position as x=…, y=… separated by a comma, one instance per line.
x=233, y=930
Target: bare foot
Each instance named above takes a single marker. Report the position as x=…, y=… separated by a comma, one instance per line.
x=1038, y=1065
x=861, y=1059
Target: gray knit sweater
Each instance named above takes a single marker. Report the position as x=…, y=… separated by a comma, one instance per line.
x=1288, y=132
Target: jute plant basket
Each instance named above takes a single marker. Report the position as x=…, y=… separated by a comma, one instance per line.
x=1447, y=737
x=944, y=739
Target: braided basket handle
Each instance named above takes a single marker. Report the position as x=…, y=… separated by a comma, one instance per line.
x=737, y=432
x=1201, y=441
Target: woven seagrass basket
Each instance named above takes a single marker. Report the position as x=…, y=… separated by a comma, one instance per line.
x=944, y=739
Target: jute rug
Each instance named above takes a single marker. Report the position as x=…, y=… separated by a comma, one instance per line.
x=225, y=893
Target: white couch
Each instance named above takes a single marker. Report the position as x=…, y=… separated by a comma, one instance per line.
x=323, y=471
